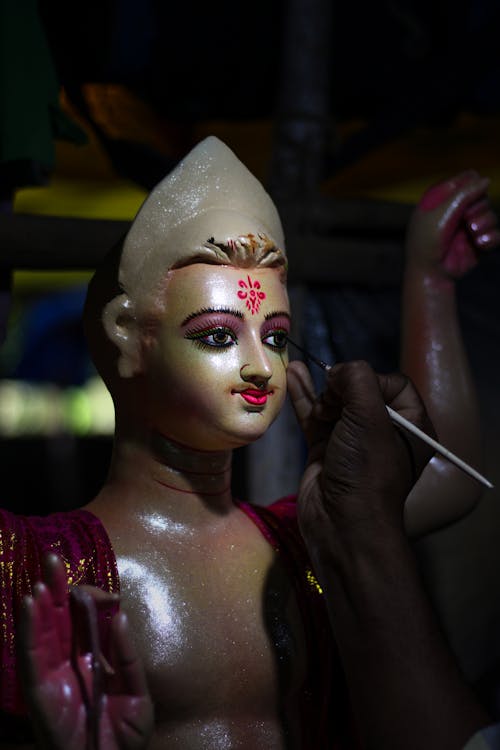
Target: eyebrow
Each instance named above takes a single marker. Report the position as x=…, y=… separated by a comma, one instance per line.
x=211, y=310
x=278, y=314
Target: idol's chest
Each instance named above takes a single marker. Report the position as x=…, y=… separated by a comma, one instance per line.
x=217, y=625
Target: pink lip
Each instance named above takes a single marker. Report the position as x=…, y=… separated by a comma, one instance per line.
x=257, y=398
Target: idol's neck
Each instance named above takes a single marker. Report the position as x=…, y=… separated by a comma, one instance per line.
x=150, y=470
x=184, y=469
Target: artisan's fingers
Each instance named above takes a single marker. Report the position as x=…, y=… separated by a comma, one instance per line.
x=315, y=417
x=301, y=390
x=353, y=384
x=400, y=394
x=353, y=400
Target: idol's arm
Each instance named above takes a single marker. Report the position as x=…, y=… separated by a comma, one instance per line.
x=406, y=690
x=450, y=227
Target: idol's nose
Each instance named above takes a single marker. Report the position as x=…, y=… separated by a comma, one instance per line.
x=257, y=369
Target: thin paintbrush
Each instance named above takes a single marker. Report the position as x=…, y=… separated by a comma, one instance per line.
x=411, y=428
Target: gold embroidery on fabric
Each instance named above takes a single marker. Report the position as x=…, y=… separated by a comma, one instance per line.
x=313, y=581
x=6, y=624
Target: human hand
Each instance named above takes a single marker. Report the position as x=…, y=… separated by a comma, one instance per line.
x=360, y=467
x=77, y=699
x=451, y=226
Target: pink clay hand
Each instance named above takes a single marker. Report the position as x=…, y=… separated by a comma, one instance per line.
x=452, y=224
x=78, y=700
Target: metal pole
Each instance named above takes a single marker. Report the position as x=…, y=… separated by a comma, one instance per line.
x=303, y=101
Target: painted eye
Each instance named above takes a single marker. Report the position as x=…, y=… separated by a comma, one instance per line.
x=217, y=338
x=276, y=339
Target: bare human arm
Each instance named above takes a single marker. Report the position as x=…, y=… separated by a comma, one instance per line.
x=406, y=690
x=451, y=227
x=78, y=700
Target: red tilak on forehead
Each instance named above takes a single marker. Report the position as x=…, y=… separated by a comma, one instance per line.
x=250, y=291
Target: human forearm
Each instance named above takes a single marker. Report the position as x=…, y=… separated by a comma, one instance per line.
x=406, y=690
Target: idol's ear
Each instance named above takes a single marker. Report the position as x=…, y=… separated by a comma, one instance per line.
x=121, y=326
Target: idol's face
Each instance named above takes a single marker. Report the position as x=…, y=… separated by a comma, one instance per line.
x=216, y=369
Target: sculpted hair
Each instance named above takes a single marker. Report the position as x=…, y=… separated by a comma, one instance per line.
x=246, y=251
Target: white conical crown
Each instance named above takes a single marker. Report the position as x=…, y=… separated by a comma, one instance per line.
x=210, y=197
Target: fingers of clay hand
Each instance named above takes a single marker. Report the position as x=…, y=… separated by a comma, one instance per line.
x=488, y=240
x=454, y=209
x=128, y=669
x=99, y=597
x=477, y=209
x=85, y=622
x=54, y=575
x=438, y=194
x=482, y=224
x=45, y=628
x=34, y=656
x=87, y=600
x=130, y=680
x=460, y=256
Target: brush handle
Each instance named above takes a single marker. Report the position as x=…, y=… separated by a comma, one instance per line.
x=410, y=427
